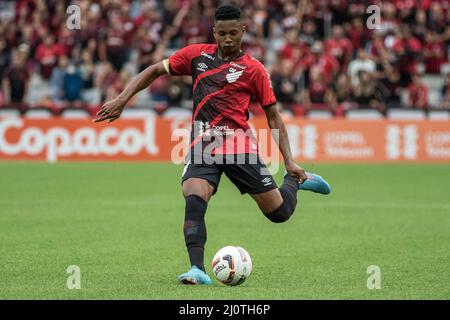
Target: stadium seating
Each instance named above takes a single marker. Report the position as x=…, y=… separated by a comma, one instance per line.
x=137, y=113
x=319, y=114
x=406, y=114
x=177, y=113
x=434, y=84
x=364, y=114
x=75, y=114
x=104, y=77
x=443, y=115
x=9, y=113
x=39, y=113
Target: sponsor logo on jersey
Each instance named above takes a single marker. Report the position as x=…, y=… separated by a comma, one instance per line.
x=203, y=53
x=208, y=130
x=234, y=64
x=202, y=66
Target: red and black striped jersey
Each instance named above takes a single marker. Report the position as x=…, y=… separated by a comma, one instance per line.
x=222, y=91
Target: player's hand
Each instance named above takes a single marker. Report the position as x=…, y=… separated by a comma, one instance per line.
x=296, y=171
x=111, y=110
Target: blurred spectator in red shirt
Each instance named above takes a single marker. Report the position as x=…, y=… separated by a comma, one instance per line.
x=327, y=65
x=358, y=33
x=191, y=29
x=47, y=55
x=15, y=80
x=91, y=25
x=407, y=50
x=417, y=93
x=435, y=53
x=339, y=47
x=317, y=94
x=112, y=46
x=67, y=40
x=296, y=51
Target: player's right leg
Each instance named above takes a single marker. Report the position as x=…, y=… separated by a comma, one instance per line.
x=199, y=184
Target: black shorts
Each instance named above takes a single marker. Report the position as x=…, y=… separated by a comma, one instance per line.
x=252, y=176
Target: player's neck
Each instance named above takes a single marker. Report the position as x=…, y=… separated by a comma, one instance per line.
x=229, y=57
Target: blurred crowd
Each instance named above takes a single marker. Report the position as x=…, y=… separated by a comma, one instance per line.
x=321, y=53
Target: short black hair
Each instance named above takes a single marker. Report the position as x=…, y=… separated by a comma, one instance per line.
x=228, y=12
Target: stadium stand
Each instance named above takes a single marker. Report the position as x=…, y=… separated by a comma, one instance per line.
x=5, y=112
x=39, y=113
x=442, y=115
x=177, y=113
x=364, y=114
x=406, y=114
x=71, y=113
x=319, y=114
x=322, y=56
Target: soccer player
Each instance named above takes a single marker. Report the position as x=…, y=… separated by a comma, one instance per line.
x=224, y=80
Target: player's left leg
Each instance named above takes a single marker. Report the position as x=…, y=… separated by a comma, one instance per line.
x=254, y=178
x=278, y=205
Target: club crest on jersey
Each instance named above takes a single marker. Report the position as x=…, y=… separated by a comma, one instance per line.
x=202, y=66
x=233, y=75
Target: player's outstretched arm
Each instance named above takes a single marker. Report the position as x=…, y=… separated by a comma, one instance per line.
x=276, y=122
x=112, y=109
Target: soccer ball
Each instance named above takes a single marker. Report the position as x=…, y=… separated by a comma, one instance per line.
x=232, y=265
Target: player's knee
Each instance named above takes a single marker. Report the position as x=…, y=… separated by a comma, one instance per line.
x=203, y=190
x=282, y=214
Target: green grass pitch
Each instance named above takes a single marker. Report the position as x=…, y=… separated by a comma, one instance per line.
x=121, y=223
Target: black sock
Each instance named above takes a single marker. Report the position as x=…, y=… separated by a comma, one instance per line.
x=195, y=229
x=289, y=194
x=288, y=191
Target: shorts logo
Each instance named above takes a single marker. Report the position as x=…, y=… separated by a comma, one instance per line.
x=234, y=75
x=266, y=181
x=202, y=66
